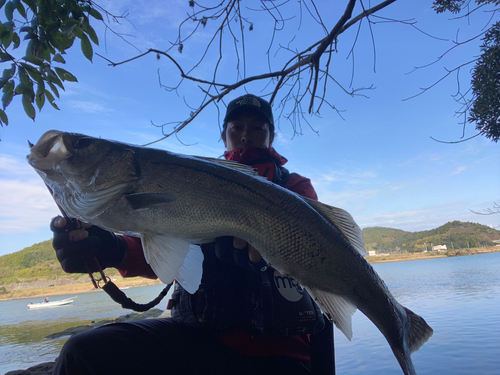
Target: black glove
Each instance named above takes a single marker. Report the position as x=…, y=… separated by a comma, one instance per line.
x=225, y=251
x=108, y=248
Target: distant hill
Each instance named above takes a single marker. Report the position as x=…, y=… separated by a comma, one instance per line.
x=36, y=261
x=455, y=235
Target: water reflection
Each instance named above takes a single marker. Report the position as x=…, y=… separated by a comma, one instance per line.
x=23, y=331
x=469, y=277
x=457, y=296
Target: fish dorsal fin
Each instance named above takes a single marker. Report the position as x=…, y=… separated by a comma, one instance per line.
x=233, y=165
x=167, y=255
x=337, y=309
x=343, y=221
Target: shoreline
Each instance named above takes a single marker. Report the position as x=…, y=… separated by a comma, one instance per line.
x=78, y=288
x=137, y=282
x=389, y=258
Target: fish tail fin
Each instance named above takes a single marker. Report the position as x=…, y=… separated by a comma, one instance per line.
x=419, y=332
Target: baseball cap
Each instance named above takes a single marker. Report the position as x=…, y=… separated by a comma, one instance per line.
x=252, y=102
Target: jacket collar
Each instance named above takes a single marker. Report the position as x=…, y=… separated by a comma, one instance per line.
x=248, y=155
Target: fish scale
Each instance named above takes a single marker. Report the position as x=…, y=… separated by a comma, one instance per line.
x=176, y=202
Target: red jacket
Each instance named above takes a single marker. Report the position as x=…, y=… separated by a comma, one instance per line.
x=292, y=346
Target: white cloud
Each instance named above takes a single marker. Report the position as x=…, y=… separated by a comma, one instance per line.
x=356, y=178
x=459, y=170
x=12, y=166
x=88, y=107
x=26, y=206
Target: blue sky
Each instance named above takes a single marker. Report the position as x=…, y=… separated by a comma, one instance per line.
x=377, y=161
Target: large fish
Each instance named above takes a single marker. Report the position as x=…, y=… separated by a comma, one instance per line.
x=173, y=201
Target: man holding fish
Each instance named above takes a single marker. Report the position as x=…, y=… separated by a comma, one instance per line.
x=244, y=317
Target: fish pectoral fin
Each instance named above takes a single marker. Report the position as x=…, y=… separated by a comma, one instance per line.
x=336, y=308
x=145, y=200
x=189, y=275
x=343, y=221
x=165, y=254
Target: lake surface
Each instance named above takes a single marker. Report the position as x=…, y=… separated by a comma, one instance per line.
x=459, y=298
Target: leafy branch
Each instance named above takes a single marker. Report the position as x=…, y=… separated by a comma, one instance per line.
x=48, y=29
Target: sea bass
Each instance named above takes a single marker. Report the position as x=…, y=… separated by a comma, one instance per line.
x=174, y=202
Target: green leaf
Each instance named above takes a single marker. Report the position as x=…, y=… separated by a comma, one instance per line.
x=40, y=87
x=34, y=60
x=65, y=75
x=8, y=93
x=21, y=10
x=27, y=29
x=52, y=77
x=58, y=58
x=49, y=95
x=9, y=73
x=44, y=50
x=24, y=78
x=54, y=89
x=91, y=33
x=9, y=10
x=7, y=34
x=30, y=36
x=3, y=118
x=64, y=41
x=32, y=72
x=5, y=57
x=28, y=107
x=30, y=48
x=16, y=40
x=69, y=26
x=86, y=47
x=2, y=2
x=94, y=13
x=19, y=89
x=40, y=99
x=50, y=98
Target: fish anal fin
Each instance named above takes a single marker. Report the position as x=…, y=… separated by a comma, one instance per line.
x=145, y=200
x=343, y=221
x=420, y=331
x=336, y=308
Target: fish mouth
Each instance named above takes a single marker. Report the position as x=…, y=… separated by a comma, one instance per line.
x=48, y=151
x=74, y=167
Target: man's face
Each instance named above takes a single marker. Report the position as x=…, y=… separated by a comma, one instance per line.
x=247, y=129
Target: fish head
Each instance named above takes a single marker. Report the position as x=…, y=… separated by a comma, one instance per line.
x=85, y=174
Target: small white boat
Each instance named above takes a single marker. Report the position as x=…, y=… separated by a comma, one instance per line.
x=43, y=305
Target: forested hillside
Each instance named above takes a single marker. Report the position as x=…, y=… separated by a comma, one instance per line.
x=37, y=261
x=455, y=235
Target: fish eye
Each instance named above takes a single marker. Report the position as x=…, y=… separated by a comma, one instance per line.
x=83, y=142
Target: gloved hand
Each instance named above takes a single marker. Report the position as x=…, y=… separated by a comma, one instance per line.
x=77, y=247
x=232, y=249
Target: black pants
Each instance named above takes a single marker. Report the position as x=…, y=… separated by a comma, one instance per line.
x=160, y=346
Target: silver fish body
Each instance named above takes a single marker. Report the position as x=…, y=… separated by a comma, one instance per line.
x=171, y=200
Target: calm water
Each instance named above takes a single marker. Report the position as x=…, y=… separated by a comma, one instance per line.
x=459, y=297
